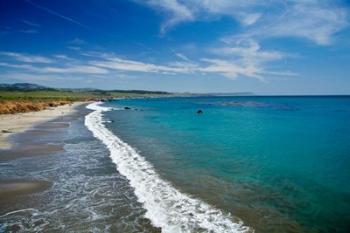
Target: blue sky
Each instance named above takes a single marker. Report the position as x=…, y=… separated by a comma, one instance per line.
x=265, y=47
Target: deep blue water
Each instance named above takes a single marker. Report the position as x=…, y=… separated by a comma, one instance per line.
x=281, y=164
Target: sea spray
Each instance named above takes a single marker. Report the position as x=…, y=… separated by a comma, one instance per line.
x=165, y=206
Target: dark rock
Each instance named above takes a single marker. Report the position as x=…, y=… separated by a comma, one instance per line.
x=199, y=111
x=5, y=131
x=127, y=108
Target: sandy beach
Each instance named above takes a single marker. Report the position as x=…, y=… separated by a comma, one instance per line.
x=16, y=123
x=28, y=129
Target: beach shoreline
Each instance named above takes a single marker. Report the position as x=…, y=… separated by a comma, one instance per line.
x=11, y=124
x=25, y=140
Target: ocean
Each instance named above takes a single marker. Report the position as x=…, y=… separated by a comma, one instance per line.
x=245, y=164
x=263, y=164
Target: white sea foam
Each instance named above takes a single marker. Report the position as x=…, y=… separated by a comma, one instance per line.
x=165, y=206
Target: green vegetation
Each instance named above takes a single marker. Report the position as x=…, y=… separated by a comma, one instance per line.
x=25, y=97
x=42, y=95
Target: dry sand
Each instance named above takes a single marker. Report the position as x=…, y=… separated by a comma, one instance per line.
x=15, y=123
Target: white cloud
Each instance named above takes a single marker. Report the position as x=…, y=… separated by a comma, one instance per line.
x=231, y=69
x=246, y=60
x=27, y=58
x=249, y=18
x=31, y=24
x=116, y=63
x=249, y=50
x=315, y=20
x=243, y=59
x=176, y=11
x=63, y=57
x=75, y=48
x=25, y=76
x=80, y=69
x=17, y=66
x=310, y=20
x=245, y=11
x=235, y=69
x=183, y=57
x=77, y=69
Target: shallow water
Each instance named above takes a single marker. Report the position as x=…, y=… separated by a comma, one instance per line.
x=281, y=164
x=87, y=193
x=165, y=206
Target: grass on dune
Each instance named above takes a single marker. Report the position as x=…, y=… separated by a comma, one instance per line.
x=62, y=95
x=26, y=101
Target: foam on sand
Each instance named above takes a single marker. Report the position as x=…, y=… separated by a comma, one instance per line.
x=165, y=206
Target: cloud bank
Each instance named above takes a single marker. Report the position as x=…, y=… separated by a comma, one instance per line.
x=314, y=20
x=241, y=60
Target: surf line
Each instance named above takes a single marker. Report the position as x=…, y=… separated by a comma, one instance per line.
x=166, y=207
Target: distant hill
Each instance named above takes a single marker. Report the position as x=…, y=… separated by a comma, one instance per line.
x=91, y=90
x=98, y=92
x=23, y=87
x=36, y=87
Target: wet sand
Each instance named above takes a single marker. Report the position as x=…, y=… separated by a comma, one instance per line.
x=21, y=137
x=29, y=150
x=73, y=188
x=11, y=188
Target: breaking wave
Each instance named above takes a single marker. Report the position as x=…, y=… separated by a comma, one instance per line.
x=165, y=206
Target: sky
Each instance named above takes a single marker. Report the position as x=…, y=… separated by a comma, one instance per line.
x=265, y=47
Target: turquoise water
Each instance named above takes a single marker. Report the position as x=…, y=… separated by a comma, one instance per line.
x=281, y=164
